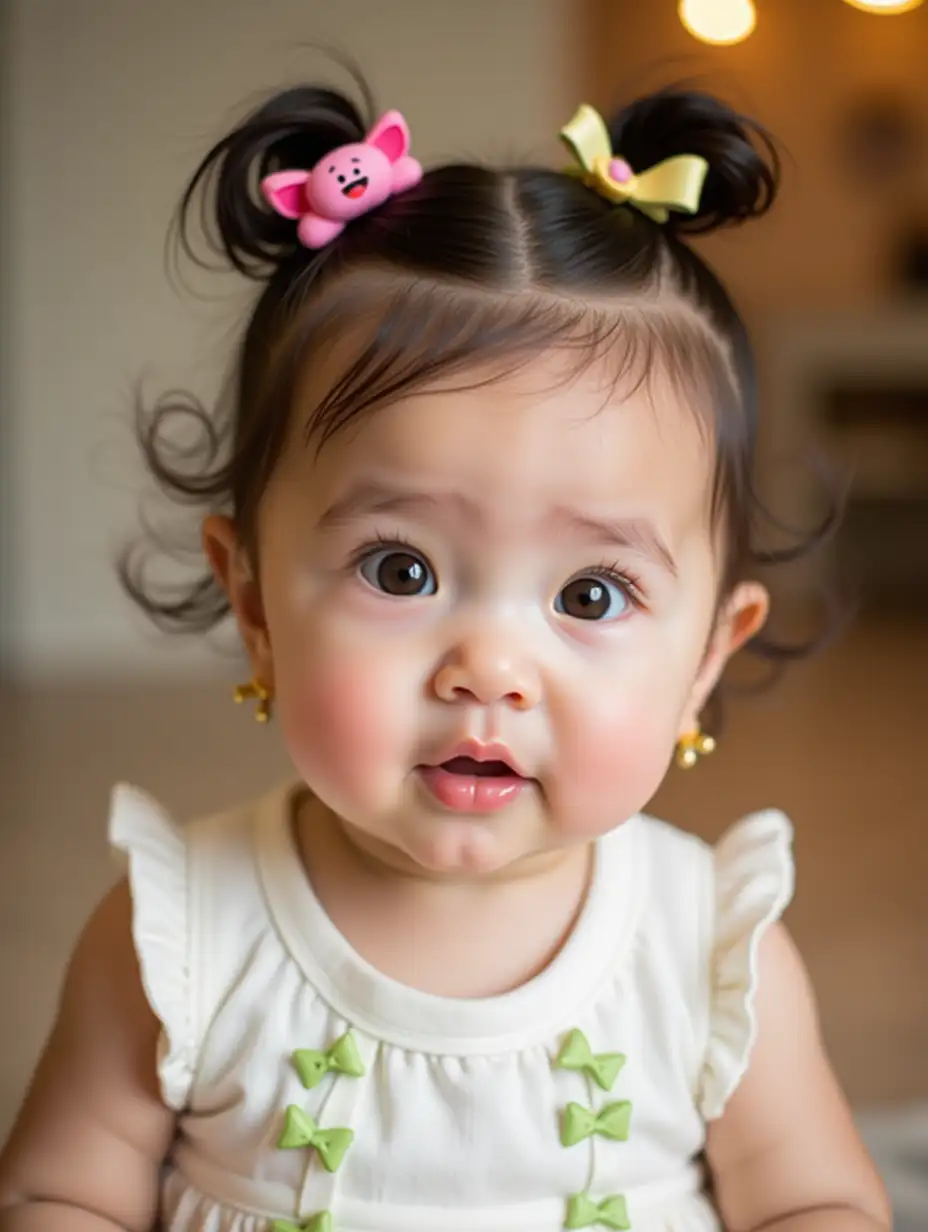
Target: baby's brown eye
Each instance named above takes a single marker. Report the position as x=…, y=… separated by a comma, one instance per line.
x=592, y=598
x=398, y=573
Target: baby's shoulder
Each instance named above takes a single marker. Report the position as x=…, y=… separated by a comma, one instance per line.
x=708, y=893
x=220, y=846
x=706, y=908
x=664, y=840
x=759, y=840
x=198, y=913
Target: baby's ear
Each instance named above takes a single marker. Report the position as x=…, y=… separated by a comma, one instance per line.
x=229, y=562
x=742, y=616
x=390, y=135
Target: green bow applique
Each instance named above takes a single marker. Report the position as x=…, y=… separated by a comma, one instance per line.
x=342, y=1058
x=583, y=1212
x=602, y=1067
x=300, y=1130
x=318, y=1223
x=611, y=1122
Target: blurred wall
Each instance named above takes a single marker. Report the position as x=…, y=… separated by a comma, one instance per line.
x=6, y=302
x=110, y=105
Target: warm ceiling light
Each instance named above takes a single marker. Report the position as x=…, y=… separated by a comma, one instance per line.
x=718, y=21
x=885, y=6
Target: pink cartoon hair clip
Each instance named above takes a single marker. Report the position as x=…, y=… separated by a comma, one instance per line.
x=349, y=181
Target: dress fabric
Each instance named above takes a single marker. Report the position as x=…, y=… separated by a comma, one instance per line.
x=315, y=1093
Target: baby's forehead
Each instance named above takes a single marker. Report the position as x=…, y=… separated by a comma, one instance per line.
x=533, y=439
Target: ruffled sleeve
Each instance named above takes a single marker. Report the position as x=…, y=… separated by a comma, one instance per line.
x=753, y=886
x=157, y=858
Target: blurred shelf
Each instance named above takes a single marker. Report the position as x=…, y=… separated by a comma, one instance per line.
x=852, y=389
x=890, y=339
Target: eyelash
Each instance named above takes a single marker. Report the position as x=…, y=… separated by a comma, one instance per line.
x=381, y=543
x=609, y=571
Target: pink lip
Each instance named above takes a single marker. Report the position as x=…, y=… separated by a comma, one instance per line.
x=468, y=793
x=472, y=793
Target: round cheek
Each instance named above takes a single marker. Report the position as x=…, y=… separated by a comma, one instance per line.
x=623, y=773
x=342, y=720
x=612, y=759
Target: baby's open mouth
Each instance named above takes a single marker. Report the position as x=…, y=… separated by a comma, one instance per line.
x=466, y=785
x=357, y=188
x=479, y=769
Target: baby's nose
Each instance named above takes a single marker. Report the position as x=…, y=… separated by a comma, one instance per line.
x=487, y=670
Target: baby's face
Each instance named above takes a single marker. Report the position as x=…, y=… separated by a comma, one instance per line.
x=518, y=572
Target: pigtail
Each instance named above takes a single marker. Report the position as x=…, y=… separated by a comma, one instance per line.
x=291, y=131
x=744, y=165
x=742, y=184
x=211, y=457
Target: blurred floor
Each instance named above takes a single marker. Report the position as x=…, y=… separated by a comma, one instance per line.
x=842, y=745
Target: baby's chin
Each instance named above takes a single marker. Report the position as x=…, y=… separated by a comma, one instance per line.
x=458, y=848
x=416, y=838
x=464, y=849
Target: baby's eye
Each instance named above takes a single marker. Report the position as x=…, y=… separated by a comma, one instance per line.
x=397, y=572
x=593, y=598
x=341, y=179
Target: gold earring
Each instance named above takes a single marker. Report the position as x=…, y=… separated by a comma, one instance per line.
x=692, y=746
x=260, y=693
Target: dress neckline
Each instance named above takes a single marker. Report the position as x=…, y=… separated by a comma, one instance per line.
x=407, y=1017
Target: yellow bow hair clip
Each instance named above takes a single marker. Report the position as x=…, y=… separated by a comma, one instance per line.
x=674, y=184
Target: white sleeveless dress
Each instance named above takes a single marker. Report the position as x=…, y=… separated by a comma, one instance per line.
x=315, y=1093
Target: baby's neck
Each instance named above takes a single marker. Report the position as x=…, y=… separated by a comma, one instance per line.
x=443, y=937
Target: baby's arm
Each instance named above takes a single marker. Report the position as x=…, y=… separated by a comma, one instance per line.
x=785, y=1155
x=86, y=1151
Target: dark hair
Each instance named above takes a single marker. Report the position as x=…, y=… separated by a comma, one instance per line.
x=475, y=265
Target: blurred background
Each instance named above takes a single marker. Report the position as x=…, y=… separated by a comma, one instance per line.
x=107, y=108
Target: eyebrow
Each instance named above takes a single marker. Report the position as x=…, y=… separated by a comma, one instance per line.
x=638, y=534
x=373, y=498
